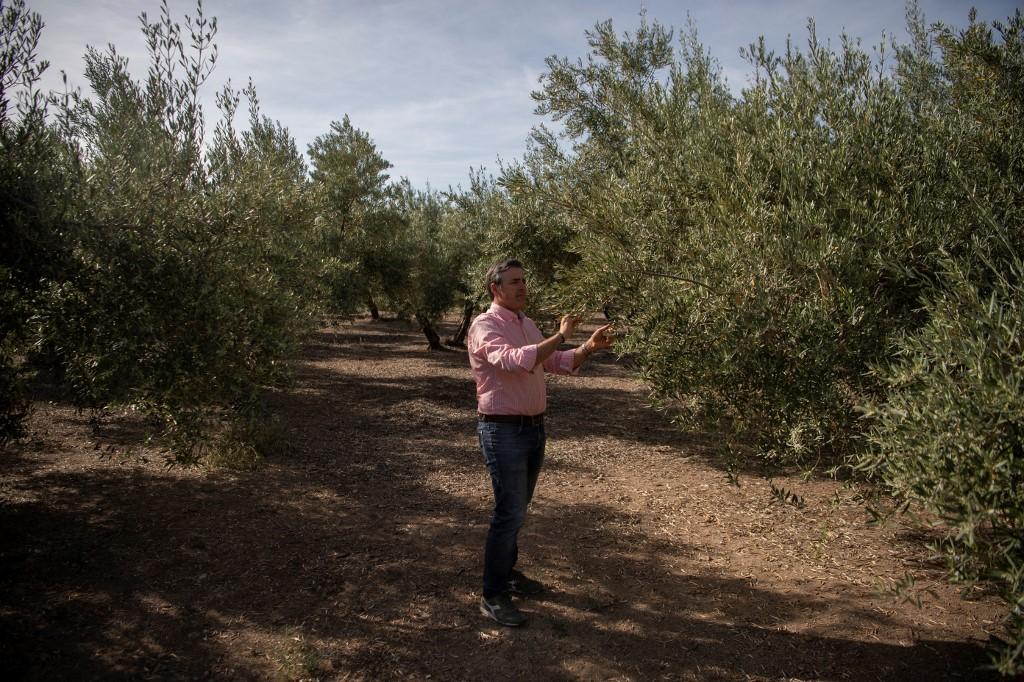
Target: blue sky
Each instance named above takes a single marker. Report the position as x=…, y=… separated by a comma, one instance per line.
x=442, y=85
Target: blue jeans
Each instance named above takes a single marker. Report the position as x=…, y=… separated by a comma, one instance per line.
x=513, y=454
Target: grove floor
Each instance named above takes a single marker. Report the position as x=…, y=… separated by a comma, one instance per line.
x=356, y=553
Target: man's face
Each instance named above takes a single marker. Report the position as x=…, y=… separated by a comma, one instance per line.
x=511, y=293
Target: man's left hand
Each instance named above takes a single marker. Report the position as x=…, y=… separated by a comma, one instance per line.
x=602, y=338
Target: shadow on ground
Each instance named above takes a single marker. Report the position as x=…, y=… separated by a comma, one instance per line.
x=359, y=554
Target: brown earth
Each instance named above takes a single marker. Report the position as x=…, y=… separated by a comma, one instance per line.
x=356, y=554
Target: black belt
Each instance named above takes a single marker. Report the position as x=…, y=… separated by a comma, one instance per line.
x=522, y=420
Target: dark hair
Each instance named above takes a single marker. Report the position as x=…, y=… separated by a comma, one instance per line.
x=495, y=271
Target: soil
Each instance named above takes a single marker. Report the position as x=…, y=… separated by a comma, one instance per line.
x=355, y=554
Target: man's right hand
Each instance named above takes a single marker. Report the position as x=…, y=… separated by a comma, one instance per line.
x=567, y=326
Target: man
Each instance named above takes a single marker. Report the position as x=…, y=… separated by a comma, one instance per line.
x=509, y=356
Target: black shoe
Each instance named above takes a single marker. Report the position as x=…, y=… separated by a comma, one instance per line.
x=502, y=610
x=520, y=584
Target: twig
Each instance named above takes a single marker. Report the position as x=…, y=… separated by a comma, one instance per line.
x=679, y=278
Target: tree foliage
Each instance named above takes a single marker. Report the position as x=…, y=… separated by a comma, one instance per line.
x=33, y=192
x=949, y=434
x=349, y=173
x=764, y=254
x=177, y=284
x=410, y=248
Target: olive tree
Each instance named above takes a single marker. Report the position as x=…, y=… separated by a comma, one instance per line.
x=350, y=175
x=763, y=253
x=32, y=195
x=184, y=297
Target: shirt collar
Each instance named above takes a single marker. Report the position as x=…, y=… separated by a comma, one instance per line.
x=504, y=313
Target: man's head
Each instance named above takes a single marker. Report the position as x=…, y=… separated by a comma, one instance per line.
x=506, y=283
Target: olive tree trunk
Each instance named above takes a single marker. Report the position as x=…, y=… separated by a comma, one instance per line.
x=432, y=336
x=459, y=338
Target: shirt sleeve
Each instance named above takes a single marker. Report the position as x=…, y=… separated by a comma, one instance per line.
x=489, y=343
x=560, y=362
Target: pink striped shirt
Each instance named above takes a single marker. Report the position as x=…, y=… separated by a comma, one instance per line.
x=502, y=353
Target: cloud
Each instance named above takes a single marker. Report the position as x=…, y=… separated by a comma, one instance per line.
x=441, y=85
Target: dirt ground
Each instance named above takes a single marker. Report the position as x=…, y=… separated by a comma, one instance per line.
x=357, y=553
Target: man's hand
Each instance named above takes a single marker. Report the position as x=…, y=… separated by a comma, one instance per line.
x=567, y=326
x=601, y=339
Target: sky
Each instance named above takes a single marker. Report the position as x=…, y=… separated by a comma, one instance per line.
x=442, y=86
